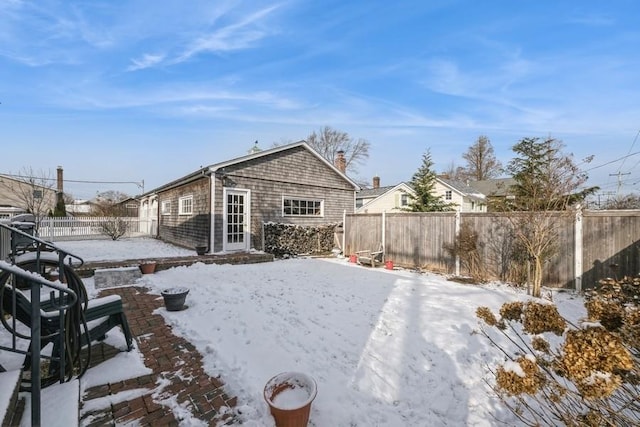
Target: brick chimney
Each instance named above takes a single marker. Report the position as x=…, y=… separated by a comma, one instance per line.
x=60, y=186
x=341, y=162
x=376, y=182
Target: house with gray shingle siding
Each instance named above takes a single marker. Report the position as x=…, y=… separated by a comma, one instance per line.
x=224, y=206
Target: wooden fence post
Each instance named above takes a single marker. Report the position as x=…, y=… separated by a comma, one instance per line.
x=344, y=232
x=577, y=252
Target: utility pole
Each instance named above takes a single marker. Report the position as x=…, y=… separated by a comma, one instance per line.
x=619, y=175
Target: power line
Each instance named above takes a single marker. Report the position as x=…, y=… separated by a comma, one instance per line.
x=613, y=161
x=632, y=145
x=81, y=181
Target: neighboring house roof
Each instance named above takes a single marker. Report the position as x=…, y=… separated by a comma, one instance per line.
x=208, y=170
x=493, y=187
x=373, y=195
x=464, y=189
x=369, y=193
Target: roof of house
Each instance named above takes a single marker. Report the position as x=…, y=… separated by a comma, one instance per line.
x=212, y=169
x=493, y=187
x=368, y=193
x=463, y=188
x=375, y=193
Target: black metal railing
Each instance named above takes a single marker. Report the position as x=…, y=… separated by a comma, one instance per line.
x=35, y=283
x=26, y=267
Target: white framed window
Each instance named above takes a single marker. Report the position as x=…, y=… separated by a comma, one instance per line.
x=185, y=205
x=302, y=207
x=448, y=195
x=165, y=207
x=404, y=200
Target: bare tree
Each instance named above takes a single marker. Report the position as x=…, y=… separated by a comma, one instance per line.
x=328, y=141
x=32, y=191
x=111, y=197
x=453, y=172
x=546, y=184
x=481, y=161
x=629, y=201
x=108, y=205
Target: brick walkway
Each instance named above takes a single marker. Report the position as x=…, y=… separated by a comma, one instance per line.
x=173, y=360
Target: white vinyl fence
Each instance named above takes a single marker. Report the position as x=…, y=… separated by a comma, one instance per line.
x=78, y=228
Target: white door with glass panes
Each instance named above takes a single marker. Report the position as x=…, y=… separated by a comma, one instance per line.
x=236, y=220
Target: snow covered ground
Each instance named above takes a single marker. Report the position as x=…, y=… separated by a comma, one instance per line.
x=386, y=348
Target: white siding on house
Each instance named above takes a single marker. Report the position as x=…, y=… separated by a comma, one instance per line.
x=466, y=203
x=388, y=202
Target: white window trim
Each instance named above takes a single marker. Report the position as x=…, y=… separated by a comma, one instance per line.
x=305, y=199
x=448, y=195
x=181, y=205
x=165, y=204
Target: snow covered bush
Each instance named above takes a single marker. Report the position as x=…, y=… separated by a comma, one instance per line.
x=560, y=373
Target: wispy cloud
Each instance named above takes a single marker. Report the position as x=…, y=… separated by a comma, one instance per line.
x=592, y=20
x=240, y=35
x=146, y=61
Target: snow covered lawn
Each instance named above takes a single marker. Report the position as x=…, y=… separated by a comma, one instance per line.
x=386, y=348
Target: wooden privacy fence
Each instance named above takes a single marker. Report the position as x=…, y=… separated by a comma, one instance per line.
x=591, y=245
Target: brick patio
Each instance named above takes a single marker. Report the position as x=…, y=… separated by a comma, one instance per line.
x=172, y=359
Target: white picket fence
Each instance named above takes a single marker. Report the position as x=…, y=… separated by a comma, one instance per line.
x=78, y=228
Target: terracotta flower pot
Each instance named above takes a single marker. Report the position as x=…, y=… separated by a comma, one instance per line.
x=148, y=267
x=289, y=396
x=174, y=298
x=388, y=265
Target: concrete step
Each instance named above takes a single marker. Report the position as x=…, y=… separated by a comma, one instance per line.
x=60, y=405
x=59, y=402
x=9, y=385
x=113, y=277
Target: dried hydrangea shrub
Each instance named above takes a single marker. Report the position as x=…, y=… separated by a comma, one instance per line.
x=485, y=314
x=610, y=314
x=541, y=345
x=540, y=318
x=592, y=358
x=512, y=311
x=528, y=381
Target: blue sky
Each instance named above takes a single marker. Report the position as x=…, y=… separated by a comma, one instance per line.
x=151, y=90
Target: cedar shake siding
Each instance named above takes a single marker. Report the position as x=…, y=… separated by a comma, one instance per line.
x=186, y=230
x=317, y=194
x=295, y=173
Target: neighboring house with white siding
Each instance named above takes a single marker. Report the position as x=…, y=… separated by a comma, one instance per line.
x=378, y=199
x=398, y=197
x=465, y=197
x=223, y=206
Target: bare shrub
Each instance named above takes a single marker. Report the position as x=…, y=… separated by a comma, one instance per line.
x=590, y=376
x=467, y=248
x=114, y=227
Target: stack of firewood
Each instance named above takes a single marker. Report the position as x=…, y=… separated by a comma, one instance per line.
x=283, y=240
